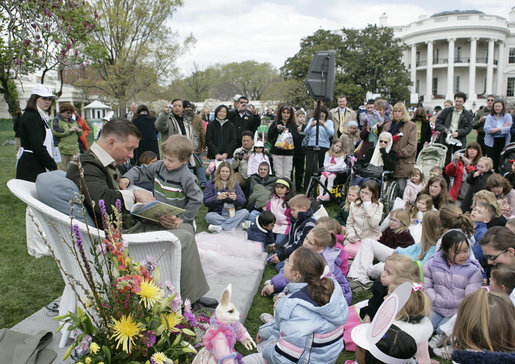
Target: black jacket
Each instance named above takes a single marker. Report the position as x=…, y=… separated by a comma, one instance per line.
x=32, y=129
x=464, y=125
x=273, y=134
x=249, y=122
x=390, y=159
x=476, y=185
x=220, y=139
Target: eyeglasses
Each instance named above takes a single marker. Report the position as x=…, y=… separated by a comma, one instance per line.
x=494, y=257
x=383, y=141
x=490, y=100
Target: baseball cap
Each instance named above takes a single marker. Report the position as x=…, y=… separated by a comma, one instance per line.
x=43, y=91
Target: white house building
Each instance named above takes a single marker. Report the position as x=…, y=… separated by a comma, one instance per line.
x=466, y=50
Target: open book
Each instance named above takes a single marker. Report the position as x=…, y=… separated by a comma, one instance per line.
x=154, y=210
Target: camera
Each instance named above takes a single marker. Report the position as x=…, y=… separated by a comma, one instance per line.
x=240, y=154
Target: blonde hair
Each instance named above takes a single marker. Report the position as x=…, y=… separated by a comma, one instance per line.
x=331, y=151
x=231, y=181
x=332, y=225
x=300, y=201
x=380, y=104
x=355, y=189
x=490, y=198
x=403, y=216
x=323, y=237
x=486, y=321
x=422, y=197
x=419, y=304
x=487, y=161
x=451, y=217
x=404, y=267
x=178, y=146
x=401, y=107
x=431, y=232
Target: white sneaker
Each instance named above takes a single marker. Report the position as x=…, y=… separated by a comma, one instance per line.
x=266, y=317
x=245, y=224
x=214, y=228
x=375, y=271
x=444, y=352
x=437, y=341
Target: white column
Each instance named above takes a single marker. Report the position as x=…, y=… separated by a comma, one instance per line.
x=472, y=70
x=429, y=72
x=450, y=69
x=490, y=67
x=500, y=70
x=413, y=67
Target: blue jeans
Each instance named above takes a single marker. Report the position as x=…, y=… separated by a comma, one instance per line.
x=254, y=215
x=437, y=320
x=227, y=223
x=201, y=171
x=280, y=239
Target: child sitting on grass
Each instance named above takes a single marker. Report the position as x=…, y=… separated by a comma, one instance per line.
x=261, y=230
x=334, y=227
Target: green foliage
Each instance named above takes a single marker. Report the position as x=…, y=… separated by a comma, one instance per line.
x=134, y=47
x=366, y=60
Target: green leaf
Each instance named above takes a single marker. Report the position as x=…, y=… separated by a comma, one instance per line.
x=189, y=332
x=68, y=351
x=177, y=340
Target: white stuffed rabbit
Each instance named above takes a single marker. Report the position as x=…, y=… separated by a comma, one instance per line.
x=222, y=334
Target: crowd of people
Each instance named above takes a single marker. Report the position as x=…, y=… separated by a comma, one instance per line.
x=453, y=238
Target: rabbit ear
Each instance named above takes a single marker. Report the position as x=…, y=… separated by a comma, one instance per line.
x=226, y=295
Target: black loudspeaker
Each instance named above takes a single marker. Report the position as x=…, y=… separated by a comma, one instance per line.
x=321, y=75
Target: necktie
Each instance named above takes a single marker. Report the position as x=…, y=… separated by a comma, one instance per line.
x=342, y=120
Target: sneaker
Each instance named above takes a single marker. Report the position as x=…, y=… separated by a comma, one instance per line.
x=437, y=341
x=375, y=271
x=245, y=224
x=265, y=317
x=444, y=352
x=214, y=228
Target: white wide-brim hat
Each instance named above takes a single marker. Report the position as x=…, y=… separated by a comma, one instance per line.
x=43, y=91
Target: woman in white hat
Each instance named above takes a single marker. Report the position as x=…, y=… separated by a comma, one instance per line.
x=35, y=155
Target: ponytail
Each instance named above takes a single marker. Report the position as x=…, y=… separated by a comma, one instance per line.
x=311, y=267
x=452, y=217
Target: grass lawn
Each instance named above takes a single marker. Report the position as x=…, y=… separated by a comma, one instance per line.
x=27, y=284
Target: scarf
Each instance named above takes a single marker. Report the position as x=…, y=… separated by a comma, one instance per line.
x=377, y=158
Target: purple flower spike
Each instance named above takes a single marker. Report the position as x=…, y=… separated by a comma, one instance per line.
x=102, y=206
x=78, y=237
x=118, y=205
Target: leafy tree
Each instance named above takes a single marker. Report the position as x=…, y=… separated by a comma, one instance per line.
x=251, y=77
x=366, y=60
x=134, y=37
x=40, y=35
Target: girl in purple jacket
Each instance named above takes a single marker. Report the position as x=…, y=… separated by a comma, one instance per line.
x=450, y=275
x=224, y=199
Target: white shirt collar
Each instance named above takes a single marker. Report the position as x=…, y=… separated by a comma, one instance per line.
x=102, y=155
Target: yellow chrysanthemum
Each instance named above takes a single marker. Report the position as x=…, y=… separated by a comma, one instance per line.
x=125, y=331
x=150, y=293
x=88, y=360
x=94, y=348
x=173, y=319
x=160, y=358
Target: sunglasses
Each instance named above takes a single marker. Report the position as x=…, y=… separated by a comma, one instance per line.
x=383, y=141
x=494, y=257
x=490, y=100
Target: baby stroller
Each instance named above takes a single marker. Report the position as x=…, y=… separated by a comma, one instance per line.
x=432, y=155
x=507, y=154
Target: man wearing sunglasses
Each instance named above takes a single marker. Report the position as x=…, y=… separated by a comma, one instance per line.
x=479, y=121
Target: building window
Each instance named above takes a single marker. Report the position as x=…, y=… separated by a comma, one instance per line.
x=418, y=58
x=510, y=90
x=435, y=86
x=457, y=55
x=456, y=83
x=417, y=86
x=436, y=55
x=511, y=59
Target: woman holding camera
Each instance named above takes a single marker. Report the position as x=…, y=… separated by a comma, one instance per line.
x=282, y=153
x=460, y=167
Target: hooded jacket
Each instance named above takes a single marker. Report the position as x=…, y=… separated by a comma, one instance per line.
x=304, y=331
x=300, y=228
x=215, y=205
x=447, y=285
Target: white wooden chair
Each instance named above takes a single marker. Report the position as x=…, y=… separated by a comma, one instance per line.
x=56, y=226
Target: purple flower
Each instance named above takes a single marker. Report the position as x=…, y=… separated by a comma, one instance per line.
x=149, y=338
x=150, y=264
x=118, y=205
x=191, y=318
x=78, y=237
x=83, y=347
x=176, y=303
x=103, y=211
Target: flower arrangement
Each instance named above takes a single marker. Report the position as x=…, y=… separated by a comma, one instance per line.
x=127, y=316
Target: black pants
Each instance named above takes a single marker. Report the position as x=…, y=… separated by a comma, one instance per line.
x=494, y=152
x=297, y=174
x=314, y=161
x=481, y=141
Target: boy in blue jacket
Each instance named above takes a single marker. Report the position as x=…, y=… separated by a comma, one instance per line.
x=302, y=223
x=261, y=230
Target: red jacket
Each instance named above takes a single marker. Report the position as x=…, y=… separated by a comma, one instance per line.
x=85, y=128
x=456, y=172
